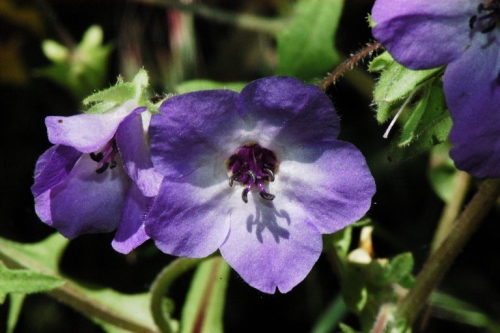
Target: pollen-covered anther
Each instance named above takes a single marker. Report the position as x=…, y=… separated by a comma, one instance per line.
x=106, y=157
x=253, y=165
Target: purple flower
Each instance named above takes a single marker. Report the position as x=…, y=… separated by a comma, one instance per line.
x=463, y=35
x=258, y=175
x=98, y=177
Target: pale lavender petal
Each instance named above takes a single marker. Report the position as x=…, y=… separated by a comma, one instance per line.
x=189, y=217
x=130, y=233
x=191, y=130
x=330, y=181
x=53, y=167
x=423, y=34
x=472, y=90
x=271, y=247
x=87, y=132
x=134, y=149
x=299, y=113
x=86, y=202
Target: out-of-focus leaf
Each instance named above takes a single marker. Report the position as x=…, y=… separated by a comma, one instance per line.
x=22, y=16
x=306, y=46
x=94, y=301
x=80, y=69
x=330, y=318
x=401, y=266
x=443, y=173
x=12, y=68
x=196, y=85
x=347, y=329
x=205, y=301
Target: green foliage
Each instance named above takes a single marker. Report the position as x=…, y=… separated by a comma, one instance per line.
x=306, y=46
x=443, y=173
x=196, y=85
x=16, y=304
x=204, y=307
x=121, y=92
x=96, y=302
x=25, y=281
x=347, y=329
x=396, y=83
x=81, y=69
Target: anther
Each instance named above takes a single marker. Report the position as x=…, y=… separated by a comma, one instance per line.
x=233, y=178
x=96, y=157
x=244, y=195
x=267, y=196
x=472, y=20
x=269, y=173
x=103, y=168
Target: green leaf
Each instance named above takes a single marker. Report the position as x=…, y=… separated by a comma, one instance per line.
x=306, y=46
x=94, y=301
x=401, y=266
x=196, y=85
x=346, y=329
x=443, y=174
x=434, y=133
x=25, y=281
x=80, y=69
x=395, y=84
x=331, y=317
x=204, y=307
x=16, y=304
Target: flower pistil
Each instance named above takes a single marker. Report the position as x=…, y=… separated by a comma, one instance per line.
x=253, y=165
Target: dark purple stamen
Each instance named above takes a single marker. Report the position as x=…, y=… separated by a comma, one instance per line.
x=106, y=157
x=252, y=165
x=488, y=16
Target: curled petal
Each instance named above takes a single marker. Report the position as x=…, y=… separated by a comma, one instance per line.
x=87, y=132
x=472, y=90
x=422, y=34
x=53, y=167
x=130, y=233
x=85, y=202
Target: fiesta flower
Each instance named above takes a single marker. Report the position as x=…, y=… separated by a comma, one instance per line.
x=98, y=177
x=258, y=175
x=465, y=36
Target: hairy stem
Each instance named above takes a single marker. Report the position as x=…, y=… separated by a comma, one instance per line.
x=440, y=261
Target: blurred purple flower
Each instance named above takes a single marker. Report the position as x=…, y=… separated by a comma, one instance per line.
x=99, y=176
x=464, y=35
x=258, y=175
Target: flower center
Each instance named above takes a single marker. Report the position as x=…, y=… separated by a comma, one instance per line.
x=487, y=16
x=252, y=165
x=105, y=158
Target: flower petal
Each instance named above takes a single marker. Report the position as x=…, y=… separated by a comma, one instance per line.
x=87, y=132
x=53, y=167
x=330, y=181
x=298, y=113
x=130, y=233
x=472, y=90
x=271, y=248
x=85, y=202
x=422, y=34
x=191, y=130
x=189, y=217
x=134, y=149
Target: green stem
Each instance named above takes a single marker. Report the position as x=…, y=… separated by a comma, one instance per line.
x=452, y=209
x=160, y=287
x=244, y=21
x=440, y=261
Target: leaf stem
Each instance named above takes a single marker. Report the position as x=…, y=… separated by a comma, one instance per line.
x=244, y=21
x=160, y=286
x=440, y=261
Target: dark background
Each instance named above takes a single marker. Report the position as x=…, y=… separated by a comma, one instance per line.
x=405, y=210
